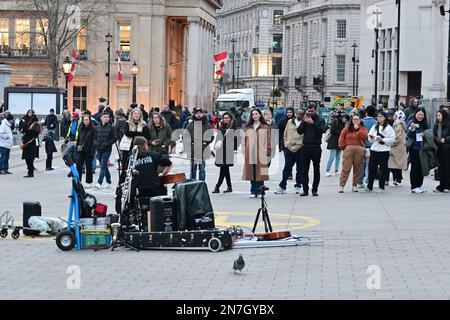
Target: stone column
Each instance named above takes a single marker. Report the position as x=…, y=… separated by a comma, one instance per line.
x=440, y=67
x=5, y=74
x=193, y=65
x=157, y=63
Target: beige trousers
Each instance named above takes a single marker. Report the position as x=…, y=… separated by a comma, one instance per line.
x=354, y=156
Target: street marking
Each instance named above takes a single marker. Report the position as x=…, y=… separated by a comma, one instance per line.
x=300, y=222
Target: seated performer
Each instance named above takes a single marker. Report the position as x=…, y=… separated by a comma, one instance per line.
x=147, y=179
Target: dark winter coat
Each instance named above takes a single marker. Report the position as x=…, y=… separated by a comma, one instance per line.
x=31, y=150
x=313, y=132
x=171, y=119
x=445, y=134
x=164, y=136
x=105, y=137
x=205, y=140
x=336, y=127
x=86, y=138
x=65, y=122
x=184, y=115
x=225, y=153
x=51, y=122
x=50, y=146
x=26, y=122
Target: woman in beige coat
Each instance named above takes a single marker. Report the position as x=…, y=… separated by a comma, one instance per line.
x=256, y=145
x=397, y=159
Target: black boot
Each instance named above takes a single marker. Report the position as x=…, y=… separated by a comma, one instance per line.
x=229, y=190
x=216, y=190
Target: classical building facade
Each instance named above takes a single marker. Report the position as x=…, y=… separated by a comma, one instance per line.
x=321, y=41
x=256, y=29
x=423, y=50
x=170, y=40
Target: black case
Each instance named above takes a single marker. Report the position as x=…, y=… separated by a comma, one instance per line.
x=30, y=209
x=163, y=214
x=214, y=240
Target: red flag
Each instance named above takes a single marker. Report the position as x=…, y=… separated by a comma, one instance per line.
x=74, y=66
x=219, y=62
x=119, y=65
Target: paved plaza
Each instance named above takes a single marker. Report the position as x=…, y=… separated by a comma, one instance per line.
x=376, y=246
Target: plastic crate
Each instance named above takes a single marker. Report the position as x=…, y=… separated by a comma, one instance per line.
x=95, y=239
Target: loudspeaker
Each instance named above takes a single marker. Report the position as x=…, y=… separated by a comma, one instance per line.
x=30, y=209
x=162, y=214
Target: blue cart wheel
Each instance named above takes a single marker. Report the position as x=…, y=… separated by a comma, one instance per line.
x=66, y=240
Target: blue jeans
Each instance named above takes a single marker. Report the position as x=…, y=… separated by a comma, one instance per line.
x=202, y=173
x=103, y=157
x=94, y=161
x=335, y=154
x=365, y=174
x=255, y=186
x=291, y=159
x=4, y=159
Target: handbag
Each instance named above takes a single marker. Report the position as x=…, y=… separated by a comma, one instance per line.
x=125, y=143
x=22, y=146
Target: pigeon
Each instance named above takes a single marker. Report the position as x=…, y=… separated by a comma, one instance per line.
x=239, y=264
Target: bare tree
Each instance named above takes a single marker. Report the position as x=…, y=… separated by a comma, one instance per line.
x=60, y=22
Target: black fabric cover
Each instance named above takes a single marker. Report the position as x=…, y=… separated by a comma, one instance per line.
x=192, y=202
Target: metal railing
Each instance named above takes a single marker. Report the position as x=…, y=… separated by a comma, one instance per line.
x=23, y=53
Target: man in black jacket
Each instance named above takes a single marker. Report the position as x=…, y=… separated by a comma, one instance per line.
x=312, y=128
x=51, y=121
x=104, y=139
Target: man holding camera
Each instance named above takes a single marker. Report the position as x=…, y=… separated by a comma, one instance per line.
x=336, y=127
x=312, y=128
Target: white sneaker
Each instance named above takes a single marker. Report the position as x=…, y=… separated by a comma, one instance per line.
x=253, y=196
x=327, y=174
x=298, y=190
x=98, y=186
x=423, y=190
x=417, y=190
x=280, y=191
x=106, y=186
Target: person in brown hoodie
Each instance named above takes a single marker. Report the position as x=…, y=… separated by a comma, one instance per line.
x=352, y=140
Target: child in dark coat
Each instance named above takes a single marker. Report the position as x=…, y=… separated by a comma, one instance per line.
x=50, y=148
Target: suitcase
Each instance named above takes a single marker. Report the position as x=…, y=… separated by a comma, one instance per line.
x=162, y=214
x=213, y=240
x=30, y=209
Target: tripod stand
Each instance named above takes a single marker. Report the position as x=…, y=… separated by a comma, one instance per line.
x=264, y=212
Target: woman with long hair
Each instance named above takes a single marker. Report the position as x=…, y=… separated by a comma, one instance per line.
x=27, y=120
x=85, y=148
x=352, y=141
x=135, y=127
x=416, y=128
x=256, y=146
x=382, y=136
x=441, y=132
x=224, y=149
x=30, y=143
x=160, y=134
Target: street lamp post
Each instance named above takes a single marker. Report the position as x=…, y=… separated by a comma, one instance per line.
x=66, y=69
x=134, y=71
x=273, y=87
x=233, y=41
x=443, y=11
x=323, y=56
x=354, y=46
x=109, y=39
x=377, y=46
x=397, y=82
x=357, y=77
x=238, y=68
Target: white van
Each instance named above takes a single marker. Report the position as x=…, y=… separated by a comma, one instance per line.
x=237, y=98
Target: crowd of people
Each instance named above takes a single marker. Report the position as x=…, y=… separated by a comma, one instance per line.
x=372, y=142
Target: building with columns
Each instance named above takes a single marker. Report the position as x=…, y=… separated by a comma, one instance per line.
x=423, y=50
x=170, y=40
x=257, y=30
x=321, y=38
